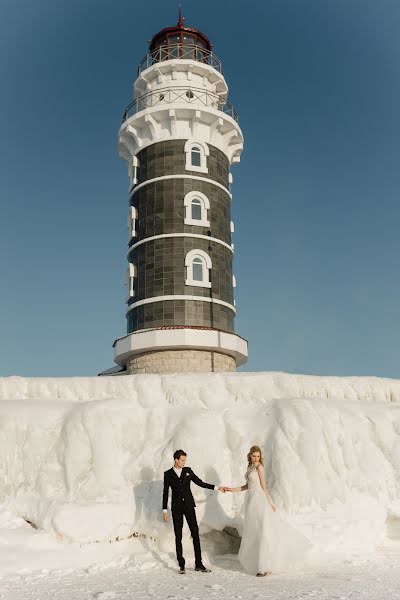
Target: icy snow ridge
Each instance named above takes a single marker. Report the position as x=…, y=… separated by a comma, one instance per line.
x=83, y=458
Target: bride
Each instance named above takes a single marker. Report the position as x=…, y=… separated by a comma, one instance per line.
x=268, y=543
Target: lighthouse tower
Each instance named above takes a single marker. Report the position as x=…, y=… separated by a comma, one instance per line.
x=179, y=137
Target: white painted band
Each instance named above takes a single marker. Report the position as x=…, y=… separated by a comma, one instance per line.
x=138, y=187
x=172, y=235
x=179, y=297
x=154, y=340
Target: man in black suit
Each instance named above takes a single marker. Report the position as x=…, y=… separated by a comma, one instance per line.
x=178, y=479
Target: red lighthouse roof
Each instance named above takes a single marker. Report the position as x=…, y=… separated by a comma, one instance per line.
x=180, y=34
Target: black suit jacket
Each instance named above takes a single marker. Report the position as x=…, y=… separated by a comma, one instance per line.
x=180, y=486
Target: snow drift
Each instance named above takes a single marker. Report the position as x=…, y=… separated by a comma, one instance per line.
x=82, y=459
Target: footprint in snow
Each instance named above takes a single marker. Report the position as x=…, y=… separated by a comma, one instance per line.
x=105, y=595
x=214, y=586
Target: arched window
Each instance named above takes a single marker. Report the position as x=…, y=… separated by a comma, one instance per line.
x=196, y=207
x=196, y=156
x=130, y=280
x=198, y=267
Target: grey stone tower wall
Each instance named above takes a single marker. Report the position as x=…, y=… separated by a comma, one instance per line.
x=181, y=361
x=160, y=209
x=180, y=312
x=160, y=263
x=168, y=158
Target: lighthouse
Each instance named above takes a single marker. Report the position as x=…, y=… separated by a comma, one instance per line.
x=179, y=137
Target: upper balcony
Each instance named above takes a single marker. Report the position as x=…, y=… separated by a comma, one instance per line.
x=180, y=96
x=181, y=51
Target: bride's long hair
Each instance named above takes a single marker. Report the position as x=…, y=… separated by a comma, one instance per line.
x=255, y=449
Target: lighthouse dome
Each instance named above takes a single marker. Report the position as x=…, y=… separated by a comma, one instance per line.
x=179, y=38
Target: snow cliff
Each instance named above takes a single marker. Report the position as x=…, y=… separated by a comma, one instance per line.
x=83, y=458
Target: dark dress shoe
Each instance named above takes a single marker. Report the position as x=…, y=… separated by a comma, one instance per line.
x=202, y=568
x=182, y=571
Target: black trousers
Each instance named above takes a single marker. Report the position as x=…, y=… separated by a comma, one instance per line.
x=190, y=516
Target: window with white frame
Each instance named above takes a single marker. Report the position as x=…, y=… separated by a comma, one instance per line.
x=196, y=206
x=198, y=267
x=196, y=156
x=132, y=220
x=132, y=170
x=130, y=280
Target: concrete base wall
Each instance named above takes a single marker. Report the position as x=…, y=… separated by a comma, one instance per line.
x=180, y=361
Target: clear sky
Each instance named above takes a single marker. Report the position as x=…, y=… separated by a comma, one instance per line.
x=316, y=195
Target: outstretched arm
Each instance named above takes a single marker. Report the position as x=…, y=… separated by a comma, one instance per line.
x=263, y=483
x=208, y=486
x=243, y=488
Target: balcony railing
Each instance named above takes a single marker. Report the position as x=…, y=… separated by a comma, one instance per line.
x=182, y=51
x=184, y=95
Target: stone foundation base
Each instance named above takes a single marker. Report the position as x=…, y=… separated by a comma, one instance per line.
x=180, y=361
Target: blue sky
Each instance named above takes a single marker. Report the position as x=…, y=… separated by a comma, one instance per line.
x=316, y=195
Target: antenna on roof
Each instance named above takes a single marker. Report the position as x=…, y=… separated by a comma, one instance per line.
x=181, y=18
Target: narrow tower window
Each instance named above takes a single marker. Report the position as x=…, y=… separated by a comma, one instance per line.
x=198, y=267
x=132, y=171
x=132, y=220
x=130, y=280
x=196, y=209
x=196, y=156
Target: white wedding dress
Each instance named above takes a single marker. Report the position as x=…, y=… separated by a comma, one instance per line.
x=268, y=542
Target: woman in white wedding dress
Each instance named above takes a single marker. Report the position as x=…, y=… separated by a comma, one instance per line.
x=268, y=543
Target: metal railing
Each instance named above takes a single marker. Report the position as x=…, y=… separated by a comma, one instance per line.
x=181, y=51
x=195, y=96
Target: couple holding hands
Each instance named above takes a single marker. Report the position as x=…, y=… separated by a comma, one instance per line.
x=268, y=543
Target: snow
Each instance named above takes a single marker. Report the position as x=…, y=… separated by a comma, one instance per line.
x=82, y=460
x=129, y=581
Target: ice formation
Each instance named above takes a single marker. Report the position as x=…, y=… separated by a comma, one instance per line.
x=82, y=459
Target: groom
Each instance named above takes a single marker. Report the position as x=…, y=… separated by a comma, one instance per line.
x=178, y=479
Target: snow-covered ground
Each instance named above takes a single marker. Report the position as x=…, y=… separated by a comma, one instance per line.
x=81, y=465
x=369, y=581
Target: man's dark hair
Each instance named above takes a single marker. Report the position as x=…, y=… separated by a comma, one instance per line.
x=178, y=454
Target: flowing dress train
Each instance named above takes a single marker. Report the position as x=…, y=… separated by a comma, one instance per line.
x=268, y=542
